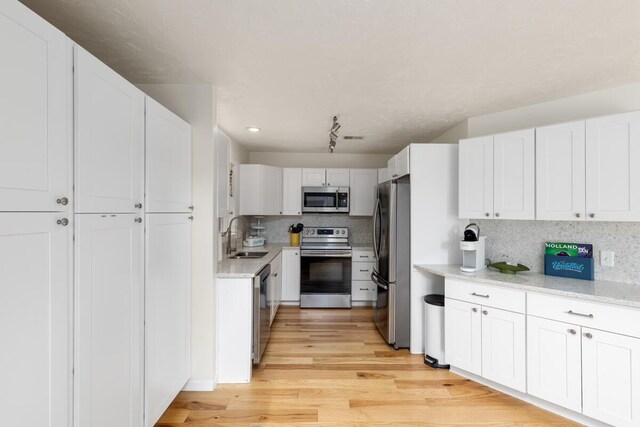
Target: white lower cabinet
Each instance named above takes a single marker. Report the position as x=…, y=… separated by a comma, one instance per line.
x=275, y=287
x=503, y=348
x=363, y=289
x=611, y=377
x=463, y=338
x=167, y=311
x=109, y=312
x=553, y=362
x=291, y=274
x=35, y=319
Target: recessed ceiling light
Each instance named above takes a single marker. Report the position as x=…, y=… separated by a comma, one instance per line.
x=253, y=129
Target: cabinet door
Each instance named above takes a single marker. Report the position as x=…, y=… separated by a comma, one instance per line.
x=403, y=162
x=35, y=321
x=108, y=321
x=392, y=167
x=514, y=175
x=168, y=160
x=36, y=108
x=109, y=150
x=560, y=172
x=613, y=177
x=167, y=311
x=290, y=275
x=272, y=190
x=611, y=377
x=337, y=177
x=291, y=191
x=361, y=191
x=504, y=348
x=476, y=178
x=554, y=362
x=224, y=183
x=383, y=175
x=250, y=190
x=313, y=178
x=463, y=335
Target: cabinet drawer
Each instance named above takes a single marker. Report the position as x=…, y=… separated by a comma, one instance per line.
x=362, y=270
x=363, y=290
x=487, y=295
x=606, y=317
x=363, y=255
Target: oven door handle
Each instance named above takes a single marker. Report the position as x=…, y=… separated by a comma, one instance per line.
x=325, y=254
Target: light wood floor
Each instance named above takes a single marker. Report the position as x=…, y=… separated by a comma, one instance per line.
x=332, y=368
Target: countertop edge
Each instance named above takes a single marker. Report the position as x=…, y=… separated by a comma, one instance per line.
x=444, y=271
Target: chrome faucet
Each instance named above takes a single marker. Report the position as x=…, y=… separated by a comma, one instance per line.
x=228, y=234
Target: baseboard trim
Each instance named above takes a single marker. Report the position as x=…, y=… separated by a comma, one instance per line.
x=558, y=410
x=200, y=385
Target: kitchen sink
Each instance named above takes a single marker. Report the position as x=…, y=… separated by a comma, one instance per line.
x=247, y=255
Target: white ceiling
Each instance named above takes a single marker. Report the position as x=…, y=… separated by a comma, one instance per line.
x=395, y=71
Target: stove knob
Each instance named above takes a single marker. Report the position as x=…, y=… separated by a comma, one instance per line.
x=342, y=231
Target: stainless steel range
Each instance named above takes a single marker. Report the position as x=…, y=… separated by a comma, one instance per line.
x=325, y=268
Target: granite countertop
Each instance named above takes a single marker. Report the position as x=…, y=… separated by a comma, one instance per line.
x=248, y=268
x=623, y=294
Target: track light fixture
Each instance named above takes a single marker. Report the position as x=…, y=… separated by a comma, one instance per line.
x=333, y=134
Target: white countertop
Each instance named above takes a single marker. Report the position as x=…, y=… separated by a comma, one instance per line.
x=248, y=268
x=596, y=290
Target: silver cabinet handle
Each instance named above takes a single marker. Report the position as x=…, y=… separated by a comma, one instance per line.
x=364, y=271
x=295, y=253
x=364, y=289
x=364, y=256
x=190, y=217
x=592, y=215
x=588, y=335
x=62, y=201
x=485, y=312
x=578, y=215
x=475, y=310
x=497, y=214
x=275, y=275
x=191, y=208
x=580, y=314
x=571, y=331
x=63, y=222
x=479, y=295
x=138, y=205
x=486, y=214
x=138, y=220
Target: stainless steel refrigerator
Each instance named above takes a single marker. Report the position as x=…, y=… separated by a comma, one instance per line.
x=392, y=249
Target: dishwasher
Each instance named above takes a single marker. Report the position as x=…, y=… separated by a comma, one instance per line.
x=261, y=313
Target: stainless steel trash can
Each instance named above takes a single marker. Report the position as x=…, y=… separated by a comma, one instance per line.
x=434, y=331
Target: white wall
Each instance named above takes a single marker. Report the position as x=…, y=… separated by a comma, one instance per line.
x=455, y=134
x=320, y=160
x=599, y=103
x=197, y=105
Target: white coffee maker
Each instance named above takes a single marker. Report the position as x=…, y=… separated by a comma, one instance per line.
x=472, y=246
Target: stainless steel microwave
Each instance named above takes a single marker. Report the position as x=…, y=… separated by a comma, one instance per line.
x=325, y=199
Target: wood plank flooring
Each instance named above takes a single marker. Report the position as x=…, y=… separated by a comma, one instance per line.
x=332, y=368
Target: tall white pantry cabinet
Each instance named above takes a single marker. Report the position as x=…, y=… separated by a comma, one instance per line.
x=73, y=314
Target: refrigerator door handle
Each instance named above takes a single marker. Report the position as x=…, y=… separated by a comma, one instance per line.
x=376, y=250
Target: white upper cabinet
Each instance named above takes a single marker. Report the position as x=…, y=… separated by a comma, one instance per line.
x=291, y=191
x=398, y=166
x=314, y=178
x=514, y=175
x=475, y=192
x=109, y=151
x=223, y=162
x=554, y=362
x=35, y=307
x=612, y=173
x=36, y=111
x=361, y=191
x=337, y=177
x=109, y=321
x=168, y=160
x=167, y=311
x=260, y=190
x=560, y=172
x=383, y=175
x=611, y=377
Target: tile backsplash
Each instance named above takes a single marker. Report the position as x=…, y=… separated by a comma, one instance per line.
x=523, y=242
x=359, y=227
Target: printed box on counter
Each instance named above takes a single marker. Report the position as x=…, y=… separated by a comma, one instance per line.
x=567, y=266
x=582, y=250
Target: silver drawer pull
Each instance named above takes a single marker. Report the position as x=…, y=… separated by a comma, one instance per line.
x=479, y=295
x=588, y=335
x=364, y=289
x=364, y=271
x=571, y=331
x=580, y=314
x=364, y=256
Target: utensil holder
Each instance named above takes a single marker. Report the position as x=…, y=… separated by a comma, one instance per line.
x=295, y=239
